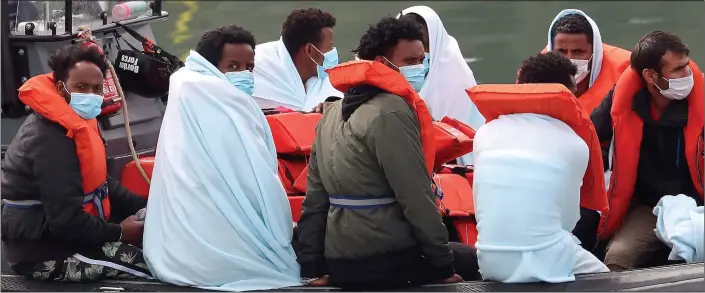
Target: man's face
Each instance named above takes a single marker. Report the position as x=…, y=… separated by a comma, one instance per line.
x=674, y=65
x=84, y=77
x=405, y=53
x=326, y=44
x=237, y=57
x=426, y=44
x=573, y=46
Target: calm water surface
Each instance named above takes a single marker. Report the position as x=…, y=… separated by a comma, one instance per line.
x=494, y=36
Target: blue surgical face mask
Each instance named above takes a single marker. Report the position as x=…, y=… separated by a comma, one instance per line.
x=414, y=74
x=427, y=61
x=86, y=105
x=243, y=80
x=330, y=60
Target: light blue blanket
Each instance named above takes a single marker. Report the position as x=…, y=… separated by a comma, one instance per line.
x=218, y=217
x=679, y=224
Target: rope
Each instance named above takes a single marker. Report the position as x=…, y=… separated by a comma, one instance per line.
x=126, y=119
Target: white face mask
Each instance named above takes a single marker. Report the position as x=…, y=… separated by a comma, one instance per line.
x=678, y=88
x=582, y=66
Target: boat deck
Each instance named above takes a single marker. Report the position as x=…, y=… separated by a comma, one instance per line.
x=687, y=277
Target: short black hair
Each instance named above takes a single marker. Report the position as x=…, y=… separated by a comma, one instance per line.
x=66, y=58
x=383, y=36
x=550, y=67
x=210, y=46
x=415, y=17
x=303, y=26
x=572, y=24
x=648, y=51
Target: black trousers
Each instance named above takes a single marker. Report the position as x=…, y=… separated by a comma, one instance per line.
x=465, y=263
x=586, y=228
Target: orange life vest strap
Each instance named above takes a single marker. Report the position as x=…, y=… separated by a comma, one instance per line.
x=556, y=101
x=355, y=73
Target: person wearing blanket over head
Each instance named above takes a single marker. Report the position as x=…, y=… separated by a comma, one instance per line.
x=291, y=72
x=218, y=217
x=575, y=35
x=651, y=125
x=448, y=74
x=537, y=161
x=370, y=220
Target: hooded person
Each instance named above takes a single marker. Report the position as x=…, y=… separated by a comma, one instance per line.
x=291, y=72
x=448, y=74
x=575, y=35
x=370, y=220
x=218, y=217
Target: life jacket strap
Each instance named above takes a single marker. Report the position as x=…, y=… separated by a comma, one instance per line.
x=360, y=202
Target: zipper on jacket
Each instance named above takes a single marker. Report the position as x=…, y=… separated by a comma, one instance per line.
x=700, y=151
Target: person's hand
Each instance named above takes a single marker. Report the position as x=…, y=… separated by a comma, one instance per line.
x=320, y=107
x=455, y=278
x=132, y=230
x=320, y=282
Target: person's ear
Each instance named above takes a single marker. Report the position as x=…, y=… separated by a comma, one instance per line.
x=650, y=76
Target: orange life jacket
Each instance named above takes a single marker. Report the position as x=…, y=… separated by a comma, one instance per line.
x=614, y=61
x=628, y=127
x=376, y=74
x=39, y=93
x=556, y=101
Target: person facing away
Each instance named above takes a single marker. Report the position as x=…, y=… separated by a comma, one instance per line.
x=652, y=124
x=532, y=172
x=575, y=35
x=291, y=72
x=550, y=69
x=60, y=208
x=443, y=89
x=218, y=217
x=369, y=217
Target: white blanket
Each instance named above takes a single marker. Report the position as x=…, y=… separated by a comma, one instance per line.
x=278, y=83
x=596, y=42
x=680, y=225
x=218, y=217
x=528, y=173
x=448, y=77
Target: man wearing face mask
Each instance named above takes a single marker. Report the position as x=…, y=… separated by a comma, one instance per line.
x=652, y=122
x=290, y=72
x=369, y=218
x=59, y=204
x=218, y=216
x=575, y=35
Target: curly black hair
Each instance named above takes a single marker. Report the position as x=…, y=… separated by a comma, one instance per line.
x=66, y=58
x=572, y=24
x=210, y=46
x=551, y=67
x=648, y=51
x=383, y=36
x=303, y=26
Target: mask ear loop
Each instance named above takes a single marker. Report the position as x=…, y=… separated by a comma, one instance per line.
x=319, y=52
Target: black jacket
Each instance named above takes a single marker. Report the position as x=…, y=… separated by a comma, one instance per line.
x=41, y=164
x=663, y=168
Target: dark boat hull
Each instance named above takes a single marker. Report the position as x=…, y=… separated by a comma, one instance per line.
x=686, y=277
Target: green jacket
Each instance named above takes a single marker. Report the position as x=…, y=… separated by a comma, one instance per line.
x=376, y=152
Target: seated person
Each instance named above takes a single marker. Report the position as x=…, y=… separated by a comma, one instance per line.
x=290, y=72
x=448, y=74
x=652, y=122
x=369, y=219
x=218, y=217
x=575, y=35
x=59, y=204
x=529, y=168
